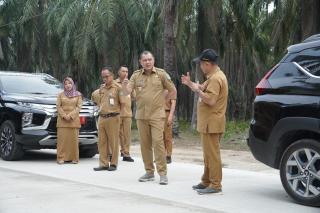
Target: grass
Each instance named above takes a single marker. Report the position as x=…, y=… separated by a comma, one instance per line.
x=234, y=137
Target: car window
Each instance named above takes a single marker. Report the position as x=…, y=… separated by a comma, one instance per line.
x=285, y=70
x=28, y=84
x=309, y=59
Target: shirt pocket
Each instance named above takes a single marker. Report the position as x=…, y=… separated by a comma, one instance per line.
x=156, y=82
x=140, y=85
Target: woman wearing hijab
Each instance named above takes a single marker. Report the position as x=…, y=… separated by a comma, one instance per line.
x=68, y=124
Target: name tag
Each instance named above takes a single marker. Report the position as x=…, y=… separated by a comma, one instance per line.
x=111, y=101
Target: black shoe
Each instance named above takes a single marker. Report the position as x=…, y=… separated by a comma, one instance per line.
x=101, y=168
x=199, y=186
x=208, y=190
x=169, y=160
x=128, y=158
x=112, y=168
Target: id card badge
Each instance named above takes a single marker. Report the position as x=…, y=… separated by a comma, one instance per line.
x=111, y=101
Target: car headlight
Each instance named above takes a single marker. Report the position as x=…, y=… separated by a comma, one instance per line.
x=27, y=118
x=24, y=104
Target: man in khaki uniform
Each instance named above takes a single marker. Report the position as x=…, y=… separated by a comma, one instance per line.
x=170, y=105
x=149, y=84
x=125, y=118
x=95, y=97
x=212, y=105
x=109, y=122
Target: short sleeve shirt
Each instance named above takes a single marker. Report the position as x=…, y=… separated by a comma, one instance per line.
x=149, y=92
x=95, y=97
x=211, y=119
x=110, y=99
x=126, y=110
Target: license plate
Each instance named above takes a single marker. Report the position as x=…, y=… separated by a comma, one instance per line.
x=83, y=120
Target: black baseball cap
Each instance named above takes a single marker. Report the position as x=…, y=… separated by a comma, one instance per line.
x=207, y=55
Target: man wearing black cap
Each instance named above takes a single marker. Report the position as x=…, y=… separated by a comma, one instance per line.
x=211, y=109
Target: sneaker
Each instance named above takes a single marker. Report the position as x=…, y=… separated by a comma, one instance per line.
x=163, y=180
x=74, y=162
x=169, y=160
x=146, y=177
x=198, y=186
x=60, y=162
x=101, y=168
x=128, y=159
x=208, y=190
x=112, y=168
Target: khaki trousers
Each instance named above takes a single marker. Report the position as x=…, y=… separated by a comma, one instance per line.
x=125, y=135
x=108, y=138
x=167, y=135
x=67, y=144
x=151, y=137
x=212, y=175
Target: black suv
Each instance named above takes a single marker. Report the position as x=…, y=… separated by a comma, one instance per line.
x=285, y=129
x=28, y=115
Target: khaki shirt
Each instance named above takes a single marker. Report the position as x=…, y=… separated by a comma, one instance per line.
x=211, y=119
x=110, y=99
x=95, y=97
x=149, y=92
x=126, y=110
x=68, y=106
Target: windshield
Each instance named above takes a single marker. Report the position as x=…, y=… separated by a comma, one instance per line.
x=31, y=84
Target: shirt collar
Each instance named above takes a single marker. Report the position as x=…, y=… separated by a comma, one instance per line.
x=153, y=70
x=112, y=85
x=214, y=72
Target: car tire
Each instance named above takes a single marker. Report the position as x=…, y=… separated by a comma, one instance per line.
x=88, y=152
x=300, y=171
x=9, y=148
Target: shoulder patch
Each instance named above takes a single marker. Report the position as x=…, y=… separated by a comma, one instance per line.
x=168, y=76
x=137, y=71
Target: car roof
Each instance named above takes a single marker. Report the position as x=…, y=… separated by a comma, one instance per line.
x=310, y=42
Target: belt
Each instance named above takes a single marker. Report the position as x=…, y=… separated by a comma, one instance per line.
x=167, y=110
x=109, y=115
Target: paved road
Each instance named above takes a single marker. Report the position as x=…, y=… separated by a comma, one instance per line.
x=37, y=184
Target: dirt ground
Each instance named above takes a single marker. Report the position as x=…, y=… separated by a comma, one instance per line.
x=235, y=153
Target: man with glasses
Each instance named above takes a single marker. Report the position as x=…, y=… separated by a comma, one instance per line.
x=109, y=122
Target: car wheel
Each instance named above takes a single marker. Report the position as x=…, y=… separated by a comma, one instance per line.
x=9, y=148
x=88, y=152
x=300, y=171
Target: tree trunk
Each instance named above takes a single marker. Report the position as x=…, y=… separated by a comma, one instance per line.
x=310, y=18
x=169, y=48
x=169, y=54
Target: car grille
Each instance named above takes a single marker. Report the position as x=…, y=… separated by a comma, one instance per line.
x=48, y=120
x=89, y=126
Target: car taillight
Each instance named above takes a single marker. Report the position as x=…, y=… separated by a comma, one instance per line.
x=83, y=120
x=264, y=83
